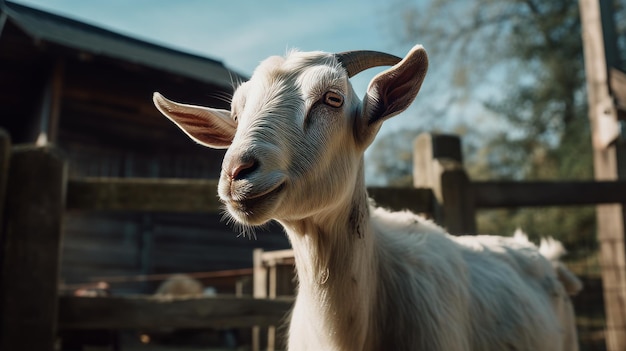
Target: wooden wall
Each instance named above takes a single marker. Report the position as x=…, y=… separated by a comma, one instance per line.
x=113, y=245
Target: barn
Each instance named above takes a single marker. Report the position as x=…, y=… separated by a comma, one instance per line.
x=87, y=90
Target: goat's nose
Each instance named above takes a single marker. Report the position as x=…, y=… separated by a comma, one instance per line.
x=242, y=168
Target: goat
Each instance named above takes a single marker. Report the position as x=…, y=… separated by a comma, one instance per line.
x=369, y=279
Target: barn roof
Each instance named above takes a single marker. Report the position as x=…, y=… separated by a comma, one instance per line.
x=45, y=26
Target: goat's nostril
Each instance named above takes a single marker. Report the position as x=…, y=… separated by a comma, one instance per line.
x=245, y=168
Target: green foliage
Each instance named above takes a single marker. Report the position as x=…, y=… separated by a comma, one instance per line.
x=523, y=59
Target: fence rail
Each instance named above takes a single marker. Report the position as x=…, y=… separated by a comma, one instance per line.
x=527, y=194
x=139, y=194
x=153, y=312
x=194, y=195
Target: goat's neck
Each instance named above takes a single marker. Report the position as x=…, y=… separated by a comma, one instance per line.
x=336, y=265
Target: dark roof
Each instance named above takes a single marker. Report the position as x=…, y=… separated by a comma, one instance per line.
x=81, y=36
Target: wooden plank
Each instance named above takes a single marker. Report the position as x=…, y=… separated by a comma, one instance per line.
x=259, y=290
x=617, y=82
x=3, y=21
x=30, y=270
x=193, y=195
x=546, y=193
x=271, y=330
x=50, y=107
x=5, y=157
x=276, y=256
x=138, y=194
x=94, y=255
x=56, y=92
x=459, y=215
x=602, y=114
x=228, y=273
x=600, y=54
x=418, y=200
x=437, y=164
x=152, y=312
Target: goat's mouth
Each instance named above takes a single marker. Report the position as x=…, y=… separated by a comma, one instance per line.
x=251, y=208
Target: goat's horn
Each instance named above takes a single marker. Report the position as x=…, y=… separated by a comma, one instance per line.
x=360, y=60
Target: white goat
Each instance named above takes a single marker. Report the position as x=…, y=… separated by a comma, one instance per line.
x=369, y=279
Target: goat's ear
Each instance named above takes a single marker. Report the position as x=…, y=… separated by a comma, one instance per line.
x=207, y=126
x=391, y=92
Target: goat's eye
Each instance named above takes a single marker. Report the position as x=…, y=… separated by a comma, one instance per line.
x=333, y=99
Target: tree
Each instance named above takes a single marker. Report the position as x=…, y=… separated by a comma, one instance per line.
x=523, y=59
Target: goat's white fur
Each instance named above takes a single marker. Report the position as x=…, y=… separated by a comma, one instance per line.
x=370, y=279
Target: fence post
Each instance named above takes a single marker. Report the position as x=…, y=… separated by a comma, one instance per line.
x=438, y=164
x=259, y=290
x=5, y=157
x=609, y=156
x=34, y=208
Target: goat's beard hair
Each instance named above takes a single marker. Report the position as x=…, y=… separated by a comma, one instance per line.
x=245, y=230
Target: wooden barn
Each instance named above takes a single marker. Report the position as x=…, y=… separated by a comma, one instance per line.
x=88, y=91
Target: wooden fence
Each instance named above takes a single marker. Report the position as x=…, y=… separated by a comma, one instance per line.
x=35, y=193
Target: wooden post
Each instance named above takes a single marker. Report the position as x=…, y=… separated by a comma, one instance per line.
x=438, y=164
x=271, y=330
x=31, y=253
x=51, y=105
x=259, y=290
x=273, y=277
x=609, y=161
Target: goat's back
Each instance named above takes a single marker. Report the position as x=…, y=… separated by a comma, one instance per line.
x=490, y=292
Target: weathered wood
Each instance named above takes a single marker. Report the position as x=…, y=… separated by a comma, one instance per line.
x=137, y=194
x=259, y=272
x=227, y=273
x=55, y=89
x=259, y=290
x=271, y=330
x=418, y=200
x=3, y=21
x=145, y=244
x=50, y=105
x=459, y=215
x=596, y=45
x=31, y=252
x=5, y=157
x=286, y=281
x=617, y=82
x=274, y=276
x=437, y=164
x=546, y=193
x=269, y=258
x=600, y=54
x=152, y=312
x=193, y=195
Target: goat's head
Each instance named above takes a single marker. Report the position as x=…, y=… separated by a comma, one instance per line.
x=296, y=131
